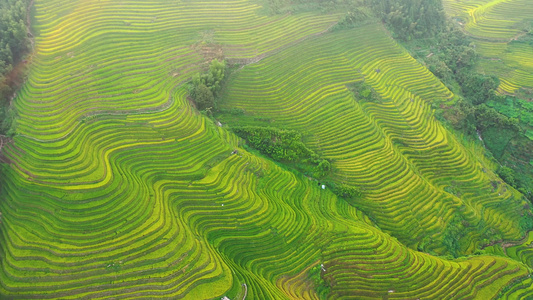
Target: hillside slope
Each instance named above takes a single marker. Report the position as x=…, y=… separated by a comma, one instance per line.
x=417, y=177
x=116, y=187
x=498, y=27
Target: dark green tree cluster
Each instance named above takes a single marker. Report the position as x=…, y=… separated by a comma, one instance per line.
x=346, y=191
x=13, y=45
x=13, y=35
x=455, y=49
x=410, y=19
x=454, y=59
x=508, y=175
x=206, y=87
x=516, y=180
x=454, y=231
x=364, y=92
x=285, y=146
x=459, y=227
x=322, y=287
x=279, y=144
x=454, y=62
x=478, y=88
x=355, y=16
x=487, y=117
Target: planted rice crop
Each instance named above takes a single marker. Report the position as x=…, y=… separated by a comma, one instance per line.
x=393, y=148
x=115, y=186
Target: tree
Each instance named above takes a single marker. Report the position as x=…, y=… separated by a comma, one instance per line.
x=204, y=97
x=478, y=88
x=508, y=175
x=346, y=191
x=487, y=117
x=411, y=18
x=13, y=45
x=324, y=166
x=206, y=87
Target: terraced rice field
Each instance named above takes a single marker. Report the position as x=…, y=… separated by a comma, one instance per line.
x=496, y=25
x=521, y=251
x=396, y=150
x=116, y=187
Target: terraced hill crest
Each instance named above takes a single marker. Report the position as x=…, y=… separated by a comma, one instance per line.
x=115, y=186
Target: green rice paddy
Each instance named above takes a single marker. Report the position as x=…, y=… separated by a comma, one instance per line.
x=116, y=187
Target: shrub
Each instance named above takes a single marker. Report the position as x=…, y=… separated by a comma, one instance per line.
x=322, y=287
x=508, y=175
x=206, y=87
x=346, y=191
x=324, y=166
x=204, y=97
x=279, y=144
x=363, y=91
